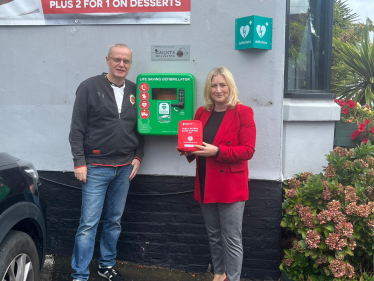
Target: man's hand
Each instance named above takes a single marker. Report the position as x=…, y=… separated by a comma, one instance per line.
x=81, y=173
x=206, y=150
x=136, y=165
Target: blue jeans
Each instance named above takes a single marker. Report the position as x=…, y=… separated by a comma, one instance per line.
x=105, y=190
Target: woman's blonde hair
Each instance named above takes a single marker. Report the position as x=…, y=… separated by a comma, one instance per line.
x=233, y=99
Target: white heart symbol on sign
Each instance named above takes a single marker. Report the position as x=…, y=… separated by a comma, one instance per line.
x=244, y=30
x=261, y=30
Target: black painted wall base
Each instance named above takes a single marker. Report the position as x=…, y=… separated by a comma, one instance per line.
x=163, y=226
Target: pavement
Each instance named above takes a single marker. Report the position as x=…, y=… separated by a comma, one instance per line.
x=57, y=268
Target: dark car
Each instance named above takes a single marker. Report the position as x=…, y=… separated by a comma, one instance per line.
x=22, y=221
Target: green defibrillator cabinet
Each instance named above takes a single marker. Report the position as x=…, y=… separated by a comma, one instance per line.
x=164, y=99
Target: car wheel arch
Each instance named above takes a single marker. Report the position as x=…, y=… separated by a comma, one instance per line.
x=19, y=214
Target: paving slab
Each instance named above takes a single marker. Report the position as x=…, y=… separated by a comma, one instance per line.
x=57, y=268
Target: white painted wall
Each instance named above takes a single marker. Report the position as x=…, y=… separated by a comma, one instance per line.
x=308, y=134
x=41, y=67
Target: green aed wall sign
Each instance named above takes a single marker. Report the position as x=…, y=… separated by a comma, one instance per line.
x=253, y=32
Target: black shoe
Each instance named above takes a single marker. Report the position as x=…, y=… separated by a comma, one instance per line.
x=110, y=273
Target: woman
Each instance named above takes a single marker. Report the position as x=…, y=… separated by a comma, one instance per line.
x=221, y=184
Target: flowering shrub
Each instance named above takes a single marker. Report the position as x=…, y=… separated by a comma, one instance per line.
x=353, y=112
x=331, y=216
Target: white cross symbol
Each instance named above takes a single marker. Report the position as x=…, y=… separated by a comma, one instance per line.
x=250, y=22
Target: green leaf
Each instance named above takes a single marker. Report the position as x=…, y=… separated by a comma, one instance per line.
x=283, y=224
x=339, y=253
x=302, y=244
x=322, y=245
x=350, y=252
x=329, y=227
x=308, y=253
x=354, y=61
x=308, y=202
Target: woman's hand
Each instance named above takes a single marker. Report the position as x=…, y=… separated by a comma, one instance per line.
x=206, y=150
x=184, y=153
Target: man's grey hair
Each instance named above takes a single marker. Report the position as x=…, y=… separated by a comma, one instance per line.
x=117, y=45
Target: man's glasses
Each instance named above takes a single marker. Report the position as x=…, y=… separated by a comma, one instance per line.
x=117, y=60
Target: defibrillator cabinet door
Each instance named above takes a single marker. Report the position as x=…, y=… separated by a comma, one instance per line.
x=164, y=99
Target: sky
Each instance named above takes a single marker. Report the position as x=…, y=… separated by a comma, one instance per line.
x=364, y=8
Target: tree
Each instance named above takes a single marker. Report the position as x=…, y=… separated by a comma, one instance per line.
x=344, y=18
x=356, y=70
x=346, y=29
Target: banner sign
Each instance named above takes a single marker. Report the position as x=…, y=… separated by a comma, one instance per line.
x=73, y=12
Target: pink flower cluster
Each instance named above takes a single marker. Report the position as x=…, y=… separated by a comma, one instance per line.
x=350, y=194
x=342, y=152
x=340, y=269
x=371, y=206
x=308, y=220
x=334, y=242
x=351, y=209
x=305, y=176
x=370, y=223
x=324, y=217
x=352, y=245
x=348, y=164
x=370, y=160
x=363, y=211
x=363, y=163
x=294, y=183
x=291, y=193
x=344, y=229
x=298, y=207
x=325, y=184
x=371, y=172
x=288, y=261
x=326, y=194
x=321, y=260
x=297, y=247
x=330, y=172
x=340, y=189
x=334, y=205
x=338, y=217
x=312, y=239
x=306, y=215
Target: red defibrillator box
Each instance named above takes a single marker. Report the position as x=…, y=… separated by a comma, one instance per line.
x=190, y=133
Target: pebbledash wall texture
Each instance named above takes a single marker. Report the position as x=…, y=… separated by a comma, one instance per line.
x=163, y=226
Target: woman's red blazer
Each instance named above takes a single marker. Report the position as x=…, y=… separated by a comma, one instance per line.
x=227, y=175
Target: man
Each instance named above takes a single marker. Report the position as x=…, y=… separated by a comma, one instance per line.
x=107, y=151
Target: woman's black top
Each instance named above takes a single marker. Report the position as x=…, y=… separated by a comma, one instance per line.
x=209, y=133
